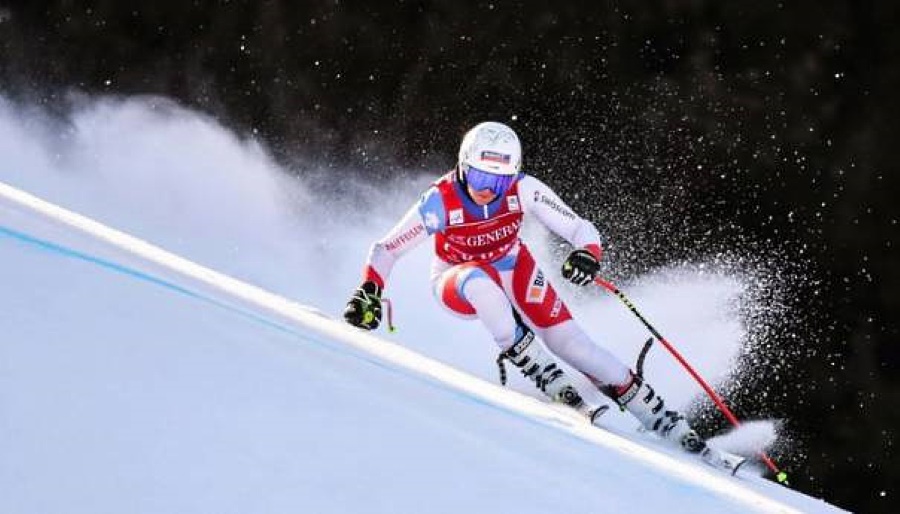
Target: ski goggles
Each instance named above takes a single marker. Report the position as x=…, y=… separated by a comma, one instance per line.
x=479, y=180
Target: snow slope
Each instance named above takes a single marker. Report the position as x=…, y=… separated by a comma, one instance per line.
x=132, y=380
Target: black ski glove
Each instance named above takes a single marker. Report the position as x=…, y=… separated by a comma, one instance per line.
x=580, y=267
x=364, y=309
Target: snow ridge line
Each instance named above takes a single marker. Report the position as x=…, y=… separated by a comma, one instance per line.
x=383, y=353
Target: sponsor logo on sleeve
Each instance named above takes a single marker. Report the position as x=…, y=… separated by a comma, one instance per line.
x=404, y=238
x=553, y=204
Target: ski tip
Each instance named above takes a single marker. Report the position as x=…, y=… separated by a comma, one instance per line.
x=782, y=478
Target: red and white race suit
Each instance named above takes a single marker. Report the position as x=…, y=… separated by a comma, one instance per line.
x=481, y=267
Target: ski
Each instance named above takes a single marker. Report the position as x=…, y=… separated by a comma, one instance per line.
x=714, y=457
x=722, y=460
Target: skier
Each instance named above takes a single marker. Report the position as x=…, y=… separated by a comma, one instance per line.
x=483, y=270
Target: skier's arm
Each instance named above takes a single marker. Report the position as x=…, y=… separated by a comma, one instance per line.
x=419, y=222
x=583, y=263
x=544, y=204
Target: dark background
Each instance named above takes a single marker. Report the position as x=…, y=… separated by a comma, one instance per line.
x=759, y=134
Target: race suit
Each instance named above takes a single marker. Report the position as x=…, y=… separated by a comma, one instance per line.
x=482, y=269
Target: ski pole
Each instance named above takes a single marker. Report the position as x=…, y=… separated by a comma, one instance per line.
x=780, y=475
x=389, y=307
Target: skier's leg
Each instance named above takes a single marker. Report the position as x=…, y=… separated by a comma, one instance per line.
x=615, y=380
x=540, y=304
x=538, y=301
x=492, y=307
x=475, y=289
x=572, y=344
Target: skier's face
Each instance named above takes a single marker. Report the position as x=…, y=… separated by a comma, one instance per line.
x=483, y=197
x=485, y=186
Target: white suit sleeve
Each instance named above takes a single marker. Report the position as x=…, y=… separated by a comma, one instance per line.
x=543, y=203
x=407, y=234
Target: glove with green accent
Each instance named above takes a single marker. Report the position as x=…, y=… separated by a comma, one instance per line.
x=364, y=309
x=581, y=267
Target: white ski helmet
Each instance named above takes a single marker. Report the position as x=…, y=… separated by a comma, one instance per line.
x=491, y=147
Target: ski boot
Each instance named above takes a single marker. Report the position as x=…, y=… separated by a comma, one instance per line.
x=540, y=367
x=638, y=398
